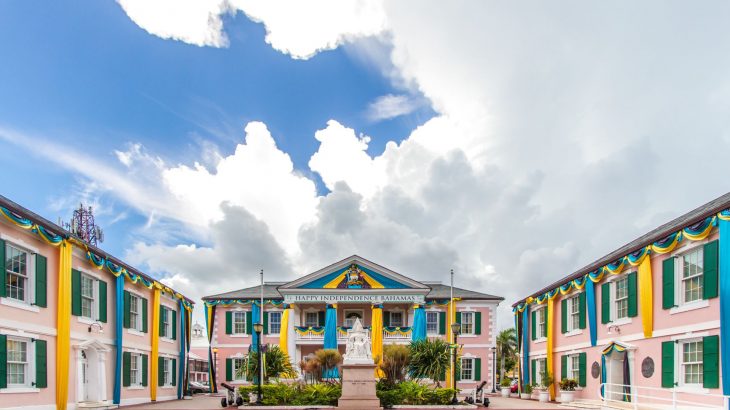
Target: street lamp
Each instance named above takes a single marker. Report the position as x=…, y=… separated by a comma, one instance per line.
x=258, y=328
x=494, y=367
x=213, y=388
x=455, y=329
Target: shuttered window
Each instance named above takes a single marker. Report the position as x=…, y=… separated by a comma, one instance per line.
x=467, y=368
x=16, y=274
x=432, y=323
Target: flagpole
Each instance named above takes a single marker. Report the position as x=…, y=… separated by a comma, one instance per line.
x=261, y=320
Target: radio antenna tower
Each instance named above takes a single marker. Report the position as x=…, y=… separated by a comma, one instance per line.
x=83, y=225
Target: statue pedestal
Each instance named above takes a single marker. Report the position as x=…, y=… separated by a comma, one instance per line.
x=358, y=387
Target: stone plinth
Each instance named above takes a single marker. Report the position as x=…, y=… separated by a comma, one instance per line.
x=358, y=387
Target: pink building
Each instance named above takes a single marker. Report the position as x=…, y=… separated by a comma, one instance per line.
x=643, y=324
x=316, y=310
x=78, y=327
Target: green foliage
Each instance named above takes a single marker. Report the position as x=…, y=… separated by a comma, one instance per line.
x=412, y=393
x=528, y=388
x=323, y=359
x=296, y=394
x=505, y=382
x=429, y=359
x=547, y=380
x=277, y=365
x=568, y=384
x=396, y=359
x=506, y=351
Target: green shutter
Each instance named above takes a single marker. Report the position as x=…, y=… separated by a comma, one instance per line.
x=41, y=280
x=442, y=323
x=102, y=301
x=606, y=303
x=229, y=370
x=668, y=283
x=160, y=371
x=127, y=307
x=75, y=292
x=582, y=310
x=534, y=370
x=126, y=366
x=229, y=322
x=320, y=316
x=564, y=316
x=174, y=372
x=3, y=354
x=478, y=323
x=533, y=321
x=477, y=369
x=563, y=367
x=710, y=270
x=41, y=364
x=266, y=323
x=249, y=322
x=457, y=373
x=2, y=277
x=144, y=315
x=458, y=317
x=174, y=324
x=633, y=310
x=144, y=370
x=710, y=362
x=163, y=316
x=582, y=369
x=668, y=364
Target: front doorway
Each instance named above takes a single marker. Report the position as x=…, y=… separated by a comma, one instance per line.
x=91, y=383
x=617, y=361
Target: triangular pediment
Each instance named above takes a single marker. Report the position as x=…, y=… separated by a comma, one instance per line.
x=354, y=273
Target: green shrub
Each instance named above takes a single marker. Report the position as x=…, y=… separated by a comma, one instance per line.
x=568, y=384
x=528, y=388
x=412, y=393
x=505, y=382
x=430, y=358
x=396, y=359
x=281, y=394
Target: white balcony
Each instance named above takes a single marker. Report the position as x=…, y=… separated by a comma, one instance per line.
x=315, y=334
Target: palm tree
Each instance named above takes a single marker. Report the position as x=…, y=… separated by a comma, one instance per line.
x=506, y=347
x=277, y=365
x=429, y=359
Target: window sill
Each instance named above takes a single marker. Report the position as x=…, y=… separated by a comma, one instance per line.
x=573, y=333
x=687, y=307
x=19, y=305
x=692, y=389
x=540, y=340
x=167, y=387
x=14, y=390
x=167, y=340
x=135, y=387
x=135, y=332
x=85, y=320
x=238, y=335
x=619, y=322
x=469, y=335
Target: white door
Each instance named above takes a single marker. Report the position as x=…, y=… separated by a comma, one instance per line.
x=615, y=375
x=84, y=377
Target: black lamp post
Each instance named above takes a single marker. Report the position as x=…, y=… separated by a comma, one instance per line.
x=455, y=329
x=494, y=366
x=258, y=328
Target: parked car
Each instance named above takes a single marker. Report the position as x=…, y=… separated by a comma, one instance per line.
x=514, y=386
x=197, y=387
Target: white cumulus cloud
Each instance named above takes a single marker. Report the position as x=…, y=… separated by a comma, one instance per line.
x=390, y=106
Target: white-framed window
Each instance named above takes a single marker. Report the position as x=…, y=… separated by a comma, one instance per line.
x=135, y=312
x=238, y=373
x=573, y=370
x=135, y=369
x=540, y=369
x=621, y=298
x=541, y=327
x=17, y=273
x=239, y=322
x=573, y=313
x=351, y=316
x=432, y=323
x=167, y=371
x=166, y=318
x=691, y=363
x=275, y=323
x=18, y=373
x=311, y=319
x=467, y=323
x=396, y=319
x=691, y=267
x=467, y=368
x=87, y=297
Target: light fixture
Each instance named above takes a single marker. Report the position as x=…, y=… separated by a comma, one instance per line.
x=258, y=327
x=97, y=324
x=456, y=328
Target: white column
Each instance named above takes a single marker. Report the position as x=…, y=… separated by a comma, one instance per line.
x=291, y=342
x=79, y=375
x=102, y=375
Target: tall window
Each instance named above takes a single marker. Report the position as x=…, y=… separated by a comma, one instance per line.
x=432, y=323
x=573, y=313
x=135, y=369
x=396, y=319
x=574, y=367
x=275, y=322
x=166, y=318
x=238, y=373
x=467, y=368
x=167, y=371
x=540, y=370
x=467, y=323
x=17, y=362
x=311, y=319
x=692, y=268
x=692, y=367
x=87, y=296
x=16, y=273
x=622, y=298
x=135, y=317
x=541, y=317
x=239, y=323
x=351, y=316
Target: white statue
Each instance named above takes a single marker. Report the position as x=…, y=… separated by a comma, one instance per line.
x=358, y=345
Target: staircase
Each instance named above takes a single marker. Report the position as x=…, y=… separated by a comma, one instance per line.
x=106, y=404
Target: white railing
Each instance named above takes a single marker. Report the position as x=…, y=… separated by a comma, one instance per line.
x=398, y=334
x=641, y=397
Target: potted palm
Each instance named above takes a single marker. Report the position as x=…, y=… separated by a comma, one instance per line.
x=526, y=392
x=567, y=390
x=505, y=386
x=545, y=383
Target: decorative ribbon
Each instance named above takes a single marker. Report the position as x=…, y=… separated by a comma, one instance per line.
x=155, y=332
x=550, y=341
x=119, y=329
x=181, y=363
x=63, y=328
x=724, y=257
x=376, y=337
x=209, y=320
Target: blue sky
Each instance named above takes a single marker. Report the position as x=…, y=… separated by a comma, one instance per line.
x=518, y=133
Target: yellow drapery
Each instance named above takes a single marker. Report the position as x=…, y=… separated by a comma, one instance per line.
x=646, y=296
x=155, y=331
x=450, y=318
x=63, y=338
x=376, y=336
x=284, y=332
x=550, y=321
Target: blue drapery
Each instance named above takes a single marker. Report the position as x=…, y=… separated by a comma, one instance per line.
x=181, y=364
x=591, y=302
x=419, y=324
x=724, y=256
x=526, y=346
x=330, y=336
x=603, y=374
x=119, y=328
x=256, y=318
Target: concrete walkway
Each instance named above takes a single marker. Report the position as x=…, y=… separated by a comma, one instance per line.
x=499, y=402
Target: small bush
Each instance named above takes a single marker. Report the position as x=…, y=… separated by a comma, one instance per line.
x=281, y=394
x=411, y=393
x=505, y=382
x=568, y=384
x=528, y=388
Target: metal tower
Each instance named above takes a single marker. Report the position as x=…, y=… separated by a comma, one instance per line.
x=83, y=225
